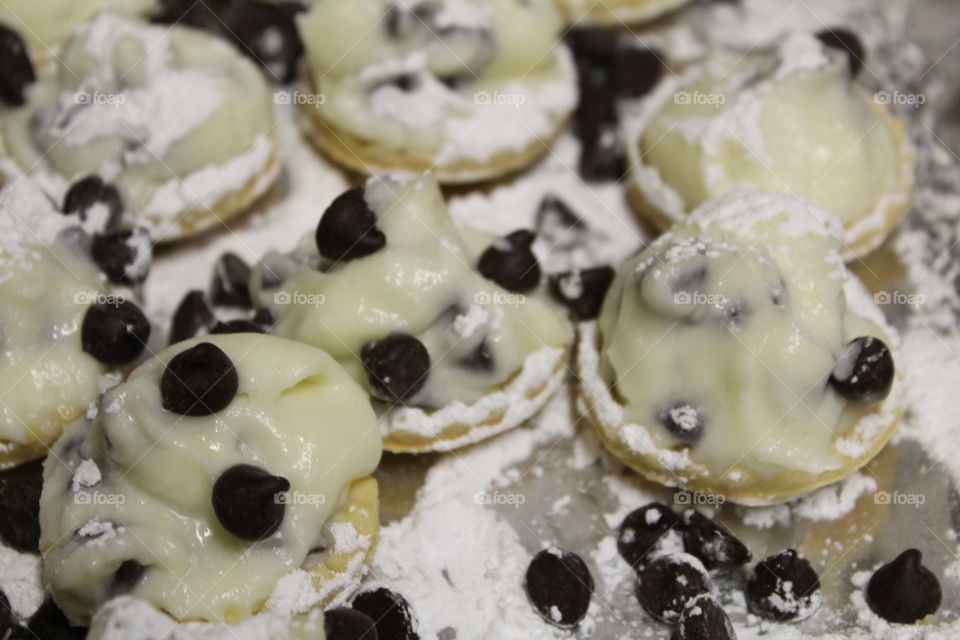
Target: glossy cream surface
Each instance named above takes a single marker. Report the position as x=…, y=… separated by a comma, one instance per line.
x=45, y=24
x=297, y=414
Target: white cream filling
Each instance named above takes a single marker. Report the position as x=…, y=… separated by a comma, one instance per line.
x=45, y=24
x=517, y=82
x=759, y=382
x=155, y=110
x=297, y=414
x=786, y=121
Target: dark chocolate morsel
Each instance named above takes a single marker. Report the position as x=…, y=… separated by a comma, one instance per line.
x=865, y=371
x=510, y=262
x=636, y=71
x=397, y=366
x=344, y=623
x=16, y=73
x=602, y=158
x=123, y=256
x=126, y=577
x=904, y=590
x=559, y=585
x=49, y=623
x=683, y=421
x=667, y=584
x=642, y=531
x=115, y=331
x=20, y=506
x=199, y=381
x=264, y=318
x=193, y=314
x=704, y=619
x=555, y=219
x=712, y=543
x=348, y=229
x=582, y=291
x=783, y=587
x=390, y=612
x=480, y=359
x=236, y=326
x=230, y=287
x=845, y=40
x=248, y=503
x=267, y=33
x=89, y=192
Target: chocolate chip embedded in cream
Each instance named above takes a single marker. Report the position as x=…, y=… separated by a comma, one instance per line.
x=248, y=503
x=97, y=203
x=115, y=331
x=582, y=291
x=348, y=229
x=559, y=586
x=199, y=381
x=848, y=42
x=864, y=371
x=683, y=420
x=126, y=577
x=17, y=72
x=397, y=366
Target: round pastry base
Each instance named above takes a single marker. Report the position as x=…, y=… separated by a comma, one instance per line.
x=617, y=13
x=520, y=398
x=13, y=454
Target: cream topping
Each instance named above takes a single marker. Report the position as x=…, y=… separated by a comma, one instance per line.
x=45, y=24
x=297, y=414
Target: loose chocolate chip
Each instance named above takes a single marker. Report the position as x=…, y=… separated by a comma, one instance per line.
x=667, y=584
x=91, y=191
x=193, y=314
x=480, y=359
x=49, y=623
x=231, y=277
x=397, y=366
x=865, y=371
x=20, y=505
x=510, y=262
x=636, y=71
x=683, y=421
x=704, y=619
x=126, y=577
x=115, y=331
x=16, y=73
x=266, y=32
x=247, y=501
x=582, y=291
x=348, y=229
x=390, y=613
x=904, y=590
x=783, y=587
x=343, y=623
x=712, y=543
x=646, y=531
x=199, y=381
x=236, y=326
x=845, y=40
x=123, y=256
x=559, y=586
x=601, y=158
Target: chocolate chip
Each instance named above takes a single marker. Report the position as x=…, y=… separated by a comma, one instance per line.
x=123, y=256
x=582, y=291
x=597, y=110
x=555, y=220
x=20, y=505
x=267, y=33
x=667, y=584
x=704, y=619
x=783, y=587
x=845, y=40
x=236, y=326
x=203, y=15
x=343, y=623
x=636, y=71
x=231, y=277
x=601, y=157
x=390, y=613
x=682, y=420
x=49, y=623
x=594, y=46
x=264, y=318
x=865, y=371
x=712, y=543
x=88, y=192
x=646, y=531
x=397, y=366
x=348, y=229
x=904, y=590
x=193, y=314
x=126, y=577
x=510, y=262
x=480, y=359
x=247, y=501
x=115, y=331
x=559, y=586
x=199, y=381
x=16, y=73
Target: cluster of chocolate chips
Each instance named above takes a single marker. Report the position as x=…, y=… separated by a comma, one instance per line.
x=266, y=32
x=611, y=67
x=229, y=293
